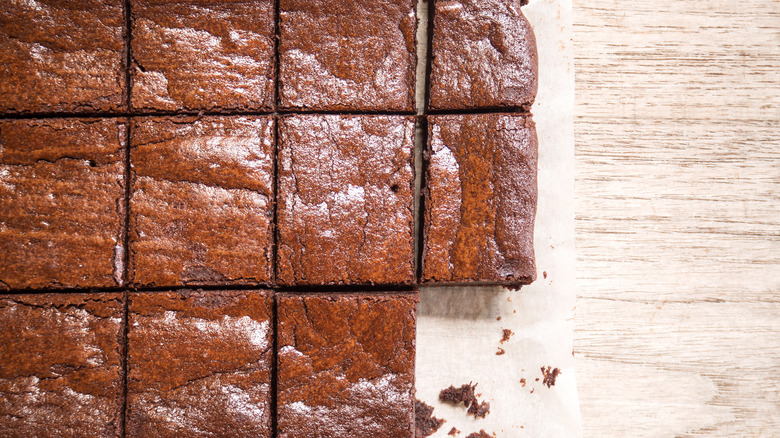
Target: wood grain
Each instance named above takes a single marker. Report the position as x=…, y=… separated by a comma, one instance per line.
x=677, y=124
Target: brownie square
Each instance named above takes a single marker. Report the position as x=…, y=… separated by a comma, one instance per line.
x=61, y=56
x=345, y=209
x=203, y=55
x=199, y=364
x=480, y=200
x=202, y=201
x=346, y=365
x=484, y=55
x=60, y=365
x=357, y=55
x=62, y=203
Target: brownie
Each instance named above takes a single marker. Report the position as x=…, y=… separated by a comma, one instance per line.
x=60, y=365
x=480, y=199
x=61, y=56
x=484, y=55
x=199, y=364
x=203, y=55
x=61, y=203
x=202, y=201
x=346, y=365
x=345, y=209
x=356, y=55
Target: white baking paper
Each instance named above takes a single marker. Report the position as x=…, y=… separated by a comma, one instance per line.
x=458, y=328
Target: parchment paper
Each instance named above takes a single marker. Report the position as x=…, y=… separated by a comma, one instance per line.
x=458, y=330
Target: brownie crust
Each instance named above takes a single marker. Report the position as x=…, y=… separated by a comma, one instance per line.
x=484, y=55
x=203, y=55
x=358, y=55
x=202, y=201
x=199, y=364
x=62, y=203
x=61, y=56
x=480, y=200
x=345, y=207
x=60, y=373
x=346, y=365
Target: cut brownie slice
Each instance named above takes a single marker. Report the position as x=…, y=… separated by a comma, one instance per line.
x=202, y=201
x=345, y=211
x=61, y=203
x=199, y=364
x=357, y=55
x=480, y=199
x=346, y=365
x=60, y=370
x=484, y=55
x=61, y=56
x=203, y=55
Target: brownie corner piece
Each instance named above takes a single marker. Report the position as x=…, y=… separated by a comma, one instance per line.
x=201, y=203
x=61, y=56
x=62, y=203
x=358, y=56
x=199, y=363
x=203, y=55
x=60, y=365
x=480, y=200
x=346, y=365
x=484, y=56
x=345, y=200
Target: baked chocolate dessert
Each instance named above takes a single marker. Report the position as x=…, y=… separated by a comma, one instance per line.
x=199, y=364
x=345, y=208
x=356, y=55
x=346, y=365
x=484, y=55
x=60, y=365
x=201, y=205
x=480, y=199
x=202, y=55
x=62, y=56
x=62, y=203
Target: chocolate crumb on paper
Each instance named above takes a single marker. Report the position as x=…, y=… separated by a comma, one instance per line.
x=424, y=421
x=465, y=394
x=550, y=374
x=453, y=432
x=506, y=335
x=480, y=434
x=500, y=352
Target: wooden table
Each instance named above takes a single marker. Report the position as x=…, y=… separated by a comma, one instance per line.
x=677, y=123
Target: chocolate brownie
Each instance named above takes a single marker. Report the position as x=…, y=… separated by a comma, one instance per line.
x=346, y=365
x=202, y=201
x=61, y=56
x=203, y=55
x=480, y=199
x=199, y=364
x=345, y=209
x=484, y=55
x=61, y=203
x=356, y=55
x=60, y=365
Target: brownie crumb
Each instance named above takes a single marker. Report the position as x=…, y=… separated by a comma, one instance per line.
x=479, y=410
x=480, y=434
x=550, y=374
x=507, y=334
x=522, y=382
x=424, y=421
x=465, y=394
x=498, y=319
x=500, y=352
x=453, y=432
x=544, y=274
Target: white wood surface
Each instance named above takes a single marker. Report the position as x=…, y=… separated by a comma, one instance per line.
x=677, y=127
